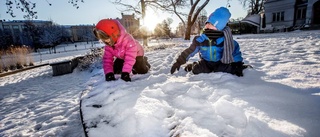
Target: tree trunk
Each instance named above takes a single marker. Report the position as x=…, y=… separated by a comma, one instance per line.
x=54, y=49
x=188, y=32
x=193, y=15
x=143, y=12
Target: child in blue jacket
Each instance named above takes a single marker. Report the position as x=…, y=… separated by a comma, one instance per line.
x=218, y=51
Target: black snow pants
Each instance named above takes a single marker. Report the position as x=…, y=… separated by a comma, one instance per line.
x=140, y=67
x=204, y=66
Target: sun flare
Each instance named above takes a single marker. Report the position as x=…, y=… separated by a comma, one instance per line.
x=151, y=20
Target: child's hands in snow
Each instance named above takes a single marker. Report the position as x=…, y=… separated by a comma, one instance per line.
x=237, y=68
x=175, y=66
x=110, y=76
x=125, y=76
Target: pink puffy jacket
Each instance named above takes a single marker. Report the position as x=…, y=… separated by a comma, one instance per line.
x=126, y=48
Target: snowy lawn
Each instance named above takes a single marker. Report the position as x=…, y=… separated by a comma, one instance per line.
x=279, y=97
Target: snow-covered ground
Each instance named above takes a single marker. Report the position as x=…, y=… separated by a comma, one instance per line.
x=279, y=97
x=63, y=51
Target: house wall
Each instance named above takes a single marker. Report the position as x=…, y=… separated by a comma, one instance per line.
x=276, y=6
x=292, y=13
x=310, y=13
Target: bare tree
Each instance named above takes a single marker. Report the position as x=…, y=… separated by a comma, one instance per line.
x=163, y=29
x=51, y=36
x=176, y=7
x=28, y=7
x=140, y=9
x=192, y=16
x=86, y=33
x=253, y=6
x=31, y=33
x=5, y=39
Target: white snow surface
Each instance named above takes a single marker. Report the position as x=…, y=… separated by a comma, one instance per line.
x=279, y=97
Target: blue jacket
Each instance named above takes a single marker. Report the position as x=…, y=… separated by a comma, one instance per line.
x=209, y=50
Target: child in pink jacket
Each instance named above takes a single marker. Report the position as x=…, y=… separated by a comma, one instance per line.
x=122, y=53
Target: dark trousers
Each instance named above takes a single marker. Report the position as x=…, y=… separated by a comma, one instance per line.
x=204, y=66
x=140, y=67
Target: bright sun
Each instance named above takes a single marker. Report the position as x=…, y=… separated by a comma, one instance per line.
x=151, y=20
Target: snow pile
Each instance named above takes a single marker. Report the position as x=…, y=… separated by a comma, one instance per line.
x=217, y=104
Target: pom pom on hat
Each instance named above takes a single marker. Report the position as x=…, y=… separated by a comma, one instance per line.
x=219, y=18
x=110, y=27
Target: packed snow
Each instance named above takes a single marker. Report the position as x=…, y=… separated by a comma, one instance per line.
x=278, y=97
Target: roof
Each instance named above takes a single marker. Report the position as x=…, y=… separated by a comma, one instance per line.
x=253, y=20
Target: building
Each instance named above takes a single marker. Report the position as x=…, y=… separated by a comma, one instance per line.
x=80, y=33
x=130, y=23
x=281, y=15
x=76, y=33
x=16, y=28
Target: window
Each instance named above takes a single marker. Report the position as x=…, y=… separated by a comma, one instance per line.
x=274, y=17
x=23, y=27
x=301, y=13
x=15, y=27
x=282, y=16
x=278, y=16
x=16, y=30
x=304, y=13
x=6, y=27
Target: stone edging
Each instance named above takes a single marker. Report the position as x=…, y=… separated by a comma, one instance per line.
x=20, y=70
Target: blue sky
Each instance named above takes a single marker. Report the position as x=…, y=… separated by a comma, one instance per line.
x=92, y=11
